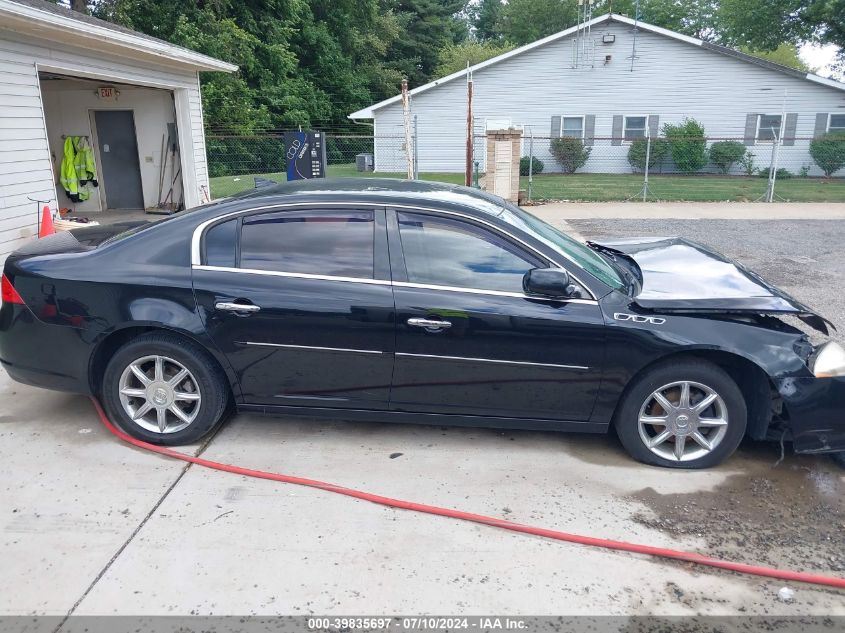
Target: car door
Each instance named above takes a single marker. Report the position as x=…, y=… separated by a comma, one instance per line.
x=299, y=300
x=469, y=341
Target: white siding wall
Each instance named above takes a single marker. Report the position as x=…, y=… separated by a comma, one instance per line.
x=672, y=79
x=25, y=162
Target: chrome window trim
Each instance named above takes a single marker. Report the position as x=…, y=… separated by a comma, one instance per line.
x=494, y=293
x=397, y=284
x=311, y=347
x=196, y=238
x=496, y=361
x=276, y=273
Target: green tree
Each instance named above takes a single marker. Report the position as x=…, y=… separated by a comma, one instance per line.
x=427, y=26
x=455, y=57
x=302, y=62
x=785, y=55
x=484, y=18
x=766, y=24
x=696, y=18
x=525, y=21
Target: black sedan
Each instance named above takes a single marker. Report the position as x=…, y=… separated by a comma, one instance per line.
x=418, y=302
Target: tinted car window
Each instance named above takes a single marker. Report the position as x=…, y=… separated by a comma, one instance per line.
x=220, y=244
x=335, y=243
x=447, y=252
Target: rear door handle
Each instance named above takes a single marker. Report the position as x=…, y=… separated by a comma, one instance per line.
x=430, y=324
x=231, y=306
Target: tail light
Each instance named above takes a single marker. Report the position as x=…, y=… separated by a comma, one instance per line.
x=10, y=295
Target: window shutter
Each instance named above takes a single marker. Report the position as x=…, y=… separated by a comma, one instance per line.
x=555, y=133
x=589, y=129
x=653, y=125
x=789, y=128
x=750, y=129
x=821, y=125
x=618, y=132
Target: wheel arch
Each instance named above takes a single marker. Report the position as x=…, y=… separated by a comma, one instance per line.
x=752, y=380
x=114, y=340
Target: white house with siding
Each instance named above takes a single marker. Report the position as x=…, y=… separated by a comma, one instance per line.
x=53, y=64
x=608, y=82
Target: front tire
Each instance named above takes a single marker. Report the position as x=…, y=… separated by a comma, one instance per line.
x=164, y=389
x=684, y=414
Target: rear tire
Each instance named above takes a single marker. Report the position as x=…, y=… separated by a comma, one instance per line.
x=165, y=389
x=683, y=414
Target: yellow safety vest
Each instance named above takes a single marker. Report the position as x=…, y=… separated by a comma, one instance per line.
x=67, y=172
x=77, y=168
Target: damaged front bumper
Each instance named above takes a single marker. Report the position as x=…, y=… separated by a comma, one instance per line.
x=815, y=411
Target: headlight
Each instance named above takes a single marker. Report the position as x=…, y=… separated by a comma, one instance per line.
x=829, y=361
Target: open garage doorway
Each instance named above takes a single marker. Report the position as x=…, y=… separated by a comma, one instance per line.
x=131, y=133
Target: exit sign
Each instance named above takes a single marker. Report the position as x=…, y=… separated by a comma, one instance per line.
x=107, y=93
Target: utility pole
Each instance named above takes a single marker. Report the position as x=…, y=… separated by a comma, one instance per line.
x=406, y=117
x=468, y=166
x=416, y=150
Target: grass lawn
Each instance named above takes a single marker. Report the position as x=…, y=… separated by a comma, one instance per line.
x=607, y=187
x=223, y=186
x=603, y=187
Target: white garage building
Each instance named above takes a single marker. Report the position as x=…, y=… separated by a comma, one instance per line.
x=63, y=74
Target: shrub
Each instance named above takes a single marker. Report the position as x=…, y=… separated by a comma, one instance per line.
x=570, y=153
x=689, y=145
x=748, y=164
x=637, y=153
x=828, y=152
x=536, y=169
x=782, y=174
x=725, y=153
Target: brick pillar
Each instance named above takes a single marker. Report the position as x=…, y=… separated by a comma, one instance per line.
x=503, y=154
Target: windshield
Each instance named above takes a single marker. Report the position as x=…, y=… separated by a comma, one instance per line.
x=573, y=250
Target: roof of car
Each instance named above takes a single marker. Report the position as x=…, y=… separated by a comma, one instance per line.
x=387, y=190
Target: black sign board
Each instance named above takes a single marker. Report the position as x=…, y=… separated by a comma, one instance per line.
x=306, y=155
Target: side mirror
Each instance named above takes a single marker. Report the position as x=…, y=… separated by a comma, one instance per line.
x=550, y=282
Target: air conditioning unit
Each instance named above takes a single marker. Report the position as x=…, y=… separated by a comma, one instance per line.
x=364, y=162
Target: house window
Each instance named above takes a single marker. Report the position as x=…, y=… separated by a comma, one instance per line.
x=635, y=127
x=768, y=128
x=572, y=126
x=836, y=123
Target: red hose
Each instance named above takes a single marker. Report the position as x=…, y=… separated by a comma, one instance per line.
x=689, y=557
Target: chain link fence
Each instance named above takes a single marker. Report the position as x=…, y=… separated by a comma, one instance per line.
x=559, y=168
x=683, y=169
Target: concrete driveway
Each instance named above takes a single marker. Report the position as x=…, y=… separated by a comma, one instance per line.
x=92, y=526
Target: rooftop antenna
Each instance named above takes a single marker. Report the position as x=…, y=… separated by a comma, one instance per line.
x=583, y=43
x=636, y=30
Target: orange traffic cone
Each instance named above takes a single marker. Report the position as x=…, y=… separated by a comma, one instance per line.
x=47, y=227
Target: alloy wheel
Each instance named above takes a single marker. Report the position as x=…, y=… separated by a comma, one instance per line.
x=159, y=394
x=683, y=421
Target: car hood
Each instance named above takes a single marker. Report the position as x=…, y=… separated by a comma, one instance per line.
x=679, y=275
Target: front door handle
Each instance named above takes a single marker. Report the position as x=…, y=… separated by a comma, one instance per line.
x=430, y=324
x=231, y=306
